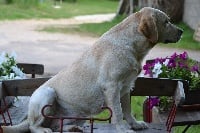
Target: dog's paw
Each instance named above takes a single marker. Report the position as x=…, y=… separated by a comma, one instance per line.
x=139, y=125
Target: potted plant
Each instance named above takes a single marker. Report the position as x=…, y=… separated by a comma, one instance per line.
x=8, y=67
x=9, y=70
x=177, y=66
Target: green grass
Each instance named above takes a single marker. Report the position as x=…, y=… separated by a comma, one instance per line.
x=28, y=10
x=192, y=129
x=92, y=29
x=97, y=29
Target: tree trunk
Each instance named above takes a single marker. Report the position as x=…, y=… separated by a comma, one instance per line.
x=174, y=8
x=122, y=7
x=126, y=7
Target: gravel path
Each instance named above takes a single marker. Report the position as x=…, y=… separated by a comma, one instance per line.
x=56, y=50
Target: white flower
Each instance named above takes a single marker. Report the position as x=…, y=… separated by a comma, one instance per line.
x=166, y=62
x=157, y=67
x=157, y=70
x=18, y=72
x=11, y=76
x=195, y=74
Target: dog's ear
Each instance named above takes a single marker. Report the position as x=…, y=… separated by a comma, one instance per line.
x=147, y=26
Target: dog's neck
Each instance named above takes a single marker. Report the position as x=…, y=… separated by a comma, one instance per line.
x=140, y=52
x=138, y=44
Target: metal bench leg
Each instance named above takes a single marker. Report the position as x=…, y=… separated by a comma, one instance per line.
x=7, y=112
x=171, y=117
x=4, y=119
x=149, y=109
x=1, y=130
x=4, y=101
x=76, y=118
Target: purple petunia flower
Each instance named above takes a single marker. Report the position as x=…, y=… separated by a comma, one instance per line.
x=182, y=64
x=174, y=56
x=172, y=63
x=147, y=68
x=154, y=101
x=184, y=55
x=195, y=68
x=159, y=60
x=147, y=72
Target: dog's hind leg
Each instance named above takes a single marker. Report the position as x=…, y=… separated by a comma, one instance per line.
x=20, y=128
x=41, y=97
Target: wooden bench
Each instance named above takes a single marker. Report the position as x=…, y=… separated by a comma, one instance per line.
x=143, y=87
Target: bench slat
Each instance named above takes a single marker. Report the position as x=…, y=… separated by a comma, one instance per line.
x=21, y=87
x=154, y=87
x=31, y=68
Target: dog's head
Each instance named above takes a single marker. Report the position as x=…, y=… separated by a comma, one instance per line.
x=156, y=27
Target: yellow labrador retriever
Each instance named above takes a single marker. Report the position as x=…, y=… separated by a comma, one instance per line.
x=102, y=76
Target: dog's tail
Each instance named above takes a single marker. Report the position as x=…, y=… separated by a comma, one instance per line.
x=20, y=128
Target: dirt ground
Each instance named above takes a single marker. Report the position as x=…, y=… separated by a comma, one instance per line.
x=56, y=50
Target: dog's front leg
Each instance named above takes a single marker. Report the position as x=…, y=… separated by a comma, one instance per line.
x=112, y=95
x=126, y=109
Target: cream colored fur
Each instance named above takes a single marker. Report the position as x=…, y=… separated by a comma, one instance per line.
x=103, y=75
